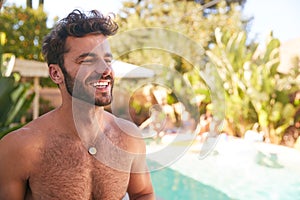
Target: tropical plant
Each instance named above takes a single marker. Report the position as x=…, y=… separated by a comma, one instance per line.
x=22, y=31
x=15, y=100
x=255, y=91
x=25, y=29
x=187, y=18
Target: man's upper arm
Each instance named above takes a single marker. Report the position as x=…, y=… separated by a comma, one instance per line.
x=140, y=185
x=12, y=181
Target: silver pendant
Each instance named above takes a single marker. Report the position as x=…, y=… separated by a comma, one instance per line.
x=92, y=150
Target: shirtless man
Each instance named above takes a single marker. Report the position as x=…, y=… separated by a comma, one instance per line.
x=77, y=151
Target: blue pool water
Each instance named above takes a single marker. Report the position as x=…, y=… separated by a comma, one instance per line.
x=172, y=185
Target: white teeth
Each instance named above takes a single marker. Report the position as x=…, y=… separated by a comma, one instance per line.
x=100, y=84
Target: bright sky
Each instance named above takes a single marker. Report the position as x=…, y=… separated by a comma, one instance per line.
x=280, y=16
x=277, y=15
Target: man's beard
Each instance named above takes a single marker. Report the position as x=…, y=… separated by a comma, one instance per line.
x=76, y=89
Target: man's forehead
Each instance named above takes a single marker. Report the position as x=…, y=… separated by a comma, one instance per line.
x=102, y=46
x=102, y=50
x=87, y=43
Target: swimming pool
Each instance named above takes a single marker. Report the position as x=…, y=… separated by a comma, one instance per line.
x=170, y=184
x=236, y=169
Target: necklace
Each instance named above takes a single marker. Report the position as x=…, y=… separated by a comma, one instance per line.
x=92, y=150
x=92, y=147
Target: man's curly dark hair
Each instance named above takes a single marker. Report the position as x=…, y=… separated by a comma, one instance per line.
x=77, y=24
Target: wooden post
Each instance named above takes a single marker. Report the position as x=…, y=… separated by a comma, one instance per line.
x=36, y=104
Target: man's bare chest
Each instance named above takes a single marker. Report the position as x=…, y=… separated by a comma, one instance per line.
x=68, y=171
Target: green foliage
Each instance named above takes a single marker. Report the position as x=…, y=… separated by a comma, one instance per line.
x=15, y=100
x=187, y=18
x=25, y=30
x=254, y=89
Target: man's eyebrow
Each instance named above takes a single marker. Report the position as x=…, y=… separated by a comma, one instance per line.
x=84, y=55
x=108, y=55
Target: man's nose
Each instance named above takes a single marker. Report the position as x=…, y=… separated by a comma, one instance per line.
x=103, y=68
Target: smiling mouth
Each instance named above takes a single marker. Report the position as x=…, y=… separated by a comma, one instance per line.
x=101, y=84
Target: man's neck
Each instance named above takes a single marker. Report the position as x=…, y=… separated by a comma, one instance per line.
x=84, y=118
x=85, y=112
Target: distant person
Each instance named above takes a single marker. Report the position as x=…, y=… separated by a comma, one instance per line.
x=77, y=151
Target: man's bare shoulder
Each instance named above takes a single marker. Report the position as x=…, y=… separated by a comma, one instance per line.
x=130, y=132
x=27, y=138
x=20, y=141
x=125, y=126
x=19, y=153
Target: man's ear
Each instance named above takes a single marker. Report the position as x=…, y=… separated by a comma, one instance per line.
x=56, y=74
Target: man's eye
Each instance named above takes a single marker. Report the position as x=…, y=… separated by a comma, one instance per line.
x=86, y=61
x=108, y=61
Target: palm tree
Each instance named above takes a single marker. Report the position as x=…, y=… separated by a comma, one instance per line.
x=1, y=2
x=41, y=3
x=29, y=3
